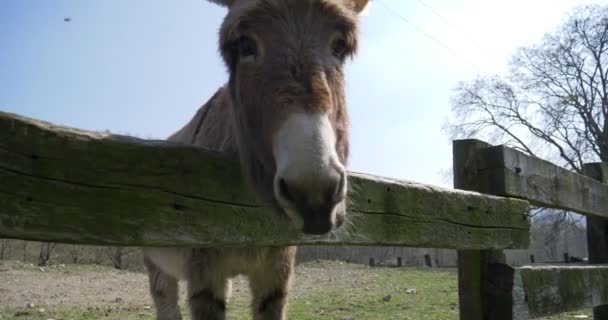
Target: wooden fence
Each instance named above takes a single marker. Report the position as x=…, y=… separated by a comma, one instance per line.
x=491, y=289
x=65, y=185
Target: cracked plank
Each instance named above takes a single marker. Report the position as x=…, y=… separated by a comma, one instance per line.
x=67, y=185
x=508, y=172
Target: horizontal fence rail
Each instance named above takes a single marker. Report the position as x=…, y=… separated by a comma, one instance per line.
x=66, y=185
x=508, y=172
x=541, y=291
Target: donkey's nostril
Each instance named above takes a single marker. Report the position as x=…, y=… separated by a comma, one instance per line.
x=320, y=194
x=313, y=203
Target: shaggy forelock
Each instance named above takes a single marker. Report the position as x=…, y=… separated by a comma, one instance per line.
x=246, y=13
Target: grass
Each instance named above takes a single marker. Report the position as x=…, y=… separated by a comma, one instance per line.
x=364, y=296
x=435, y=298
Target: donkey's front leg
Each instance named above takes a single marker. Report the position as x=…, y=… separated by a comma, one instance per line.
x=164, y=291
x=208, y=289
x=270, y=283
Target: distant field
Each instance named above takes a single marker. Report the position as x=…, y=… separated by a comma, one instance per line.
x=323, y=291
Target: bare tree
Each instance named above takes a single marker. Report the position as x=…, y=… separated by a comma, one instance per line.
x=554, y=100
x=46, y=252
x=549, y=229
x=117, y=255
x=555, y=97
x=552, y=236
x=74, y=252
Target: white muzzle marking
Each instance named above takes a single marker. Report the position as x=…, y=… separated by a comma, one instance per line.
x=304, y=149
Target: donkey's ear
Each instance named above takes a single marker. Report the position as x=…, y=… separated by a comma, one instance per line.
x=358, y=5
x=225, y=3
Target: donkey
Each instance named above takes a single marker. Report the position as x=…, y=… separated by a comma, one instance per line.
x=283, y=112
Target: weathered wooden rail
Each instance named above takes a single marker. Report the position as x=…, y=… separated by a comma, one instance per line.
x=65, y=185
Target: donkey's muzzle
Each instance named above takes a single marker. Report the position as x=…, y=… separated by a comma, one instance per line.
x=317, y=225
x=318, y=220
x=316, y=204
x=310, y=180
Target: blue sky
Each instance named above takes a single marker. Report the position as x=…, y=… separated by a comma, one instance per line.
x=144, y=67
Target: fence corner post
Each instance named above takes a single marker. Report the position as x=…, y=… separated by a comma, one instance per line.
x=597, y=232
x=484, y=279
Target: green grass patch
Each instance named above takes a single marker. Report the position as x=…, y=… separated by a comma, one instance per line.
x=75, y=313
x=389, y=294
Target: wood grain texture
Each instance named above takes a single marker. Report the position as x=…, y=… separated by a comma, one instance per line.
x=597, y=227
x=555, y=289
x=597, y=232
x=484, y=285
x=471, y=263
x=508, y=172
x=66, y=185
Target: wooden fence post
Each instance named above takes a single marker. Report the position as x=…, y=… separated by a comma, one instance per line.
x=427, y=261
x=481, y=273
x=597, y=232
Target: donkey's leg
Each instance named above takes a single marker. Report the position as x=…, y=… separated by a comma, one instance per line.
x=270, y=283
x=208, y=288
x=164, y=291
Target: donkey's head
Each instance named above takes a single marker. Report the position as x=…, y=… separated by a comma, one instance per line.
x=286, y=59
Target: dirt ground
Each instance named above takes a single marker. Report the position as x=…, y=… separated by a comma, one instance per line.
x=21, y=284
x=324, y=290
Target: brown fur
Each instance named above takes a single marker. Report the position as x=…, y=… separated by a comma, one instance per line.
x=291, y=75
x=294, y=72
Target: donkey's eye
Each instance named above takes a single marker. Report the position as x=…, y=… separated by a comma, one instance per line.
x=247, y=47
x=338, y=48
